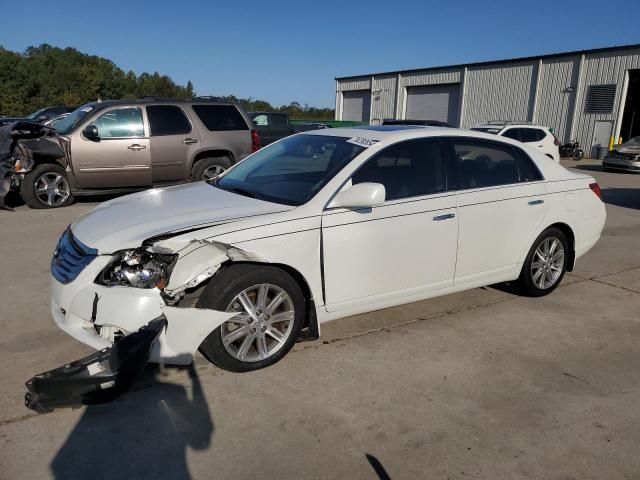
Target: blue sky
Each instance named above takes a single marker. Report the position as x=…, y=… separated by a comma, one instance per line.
x=284, y=51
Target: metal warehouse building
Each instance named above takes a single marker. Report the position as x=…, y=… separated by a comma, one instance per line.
x=589, y=95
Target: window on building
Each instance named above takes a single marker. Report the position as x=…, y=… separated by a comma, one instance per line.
x=167, y=120
x=407, y=169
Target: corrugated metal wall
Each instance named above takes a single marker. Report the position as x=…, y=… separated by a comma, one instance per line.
x=598, y=70
x=499, y=92
x=557, y=87
x=383, y=98
x=550, y=92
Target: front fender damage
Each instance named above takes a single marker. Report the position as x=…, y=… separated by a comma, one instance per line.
x=151, y=326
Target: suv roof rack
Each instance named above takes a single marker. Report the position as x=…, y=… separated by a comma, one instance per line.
x=509, y=122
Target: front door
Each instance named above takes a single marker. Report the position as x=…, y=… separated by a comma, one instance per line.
x=120, y=157
x=403, y=248
x=173, y=142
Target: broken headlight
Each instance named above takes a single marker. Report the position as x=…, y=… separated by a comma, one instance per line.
x=138, y=268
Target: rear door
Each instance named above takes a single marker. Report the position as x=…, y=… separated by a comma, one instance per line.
x=501, y=202
x=280, y=127
x=120, y=157
x=174, y=141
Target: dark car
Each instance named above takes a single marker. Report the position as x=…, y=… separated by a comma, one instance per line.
x=271, y=126
x=426, y=123
x=47, y=113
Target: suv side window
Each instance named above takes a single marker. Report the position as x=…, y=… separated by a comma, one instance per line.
x=528, y=135
x=482, y=163
x=120, y=123
x=407, y=169
x=220, y=118
x=167, y=120
x=540, y=134
x=261, y=120
x=513, y=133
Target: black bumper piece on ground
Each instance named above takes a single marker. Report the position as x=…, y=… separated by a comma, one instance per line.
x=96, y=378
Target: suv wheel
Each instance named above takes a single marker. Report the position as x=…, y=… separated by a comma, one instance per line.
x=208, y=168
x=46, y=186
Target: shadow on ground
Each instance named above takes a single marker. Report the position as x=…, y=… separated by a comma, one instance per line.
x=141, y=435
x=622, y=197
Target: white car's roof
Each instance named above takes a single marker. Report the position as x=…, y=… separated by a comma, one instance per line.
x=390, y=133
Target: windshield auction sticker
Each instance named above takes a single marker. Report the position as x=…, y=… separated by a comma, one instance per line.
x=363, y=142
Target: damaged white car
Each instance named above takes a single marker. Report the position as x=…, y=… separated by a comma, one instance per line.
x=315, y=227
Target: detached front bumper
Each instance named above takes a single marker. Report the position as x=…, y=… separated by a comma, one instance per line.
x=96, y=378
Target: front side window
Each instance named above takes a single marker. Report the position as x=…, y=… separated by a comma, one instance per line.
x=167, y=120
x=220, y=118
x=407, y=169
x=484, y=163
x=290, y=171
x=120, y=123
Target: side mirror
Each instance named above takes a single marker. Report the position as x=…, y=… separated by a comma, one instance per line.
x=91, y=132
x=360, y=195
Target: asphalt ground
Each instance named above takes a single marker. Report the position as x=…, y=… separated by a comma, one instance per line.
x=480, y=384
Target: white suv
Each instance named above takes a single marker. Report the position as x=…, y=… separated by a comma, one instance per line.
x=534, y=135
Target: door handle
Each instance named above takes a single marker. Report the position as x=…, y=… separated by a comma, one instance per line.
x=446, y=216
x=135, y=147
x=536, y=202
x=189, y=141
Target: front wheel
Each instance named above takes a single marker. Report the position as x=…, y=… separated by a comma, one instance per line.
x=545, y=264
x=46, y=186
x=578, y=155
x=270, y=309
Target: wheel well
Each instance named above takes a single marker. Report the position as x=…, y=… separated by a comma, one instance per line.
x=311, y=320
x=571, y=238
x=212, y=153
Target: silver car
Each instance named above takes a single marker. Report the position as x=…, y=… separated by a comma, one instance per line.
x=625, y=156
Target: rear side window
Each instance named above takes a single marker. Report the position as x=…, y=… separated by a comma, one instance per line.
x=512, y=133
x=484, y=163
x=279, y=120
x=167, y=120
x=407, y=169
x=220, y=118
x=526, y=168
x=528, y=135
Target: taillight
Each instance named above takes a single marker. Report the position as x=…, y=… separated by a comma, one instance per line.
x=255, y=141
x=595, y=188
x=556, y=142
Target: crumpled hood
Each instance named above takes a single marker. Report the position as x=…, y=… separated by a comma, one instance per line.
x=125, y=222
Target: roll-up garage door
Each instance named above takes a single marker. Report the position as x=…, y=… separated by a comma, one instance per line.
x=356, y=105
x=433, y=102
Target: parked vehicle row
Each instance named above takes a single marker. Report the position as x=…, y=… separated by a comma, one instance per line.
x=319, y=226
x=112, y=146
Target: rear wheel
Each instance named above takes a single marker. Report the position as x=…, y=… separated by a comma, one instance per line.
x=208, y=168
x=270, y=310
x=46, y=186
x=545, y=264
x=577, y=155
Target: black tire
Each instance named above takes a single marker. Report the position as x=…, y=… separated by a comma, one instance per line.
x=224, y=288
x=28, y=186
x=526, y=282
x=204, y=164
x=578, y=155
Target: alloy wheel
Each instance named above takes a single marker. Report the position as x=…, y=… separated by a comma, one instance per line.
x=212, y=172
x=52, y=189
x=548, y=262
x=263, y=325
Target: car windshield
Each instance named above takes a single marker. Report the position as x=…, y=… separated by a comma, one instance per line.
x=632, y=142
x=290, y=171
x=68, y=123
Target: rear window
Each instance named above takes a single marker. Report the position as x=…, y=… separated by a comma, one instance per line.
x=220, y=118
x=167, y=120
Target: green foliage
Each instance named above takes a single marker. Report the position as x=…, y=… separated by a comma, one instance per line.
x=44, y=76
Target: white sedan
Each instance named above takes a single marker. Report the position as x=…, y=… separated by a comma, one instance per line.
x=316, y=227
